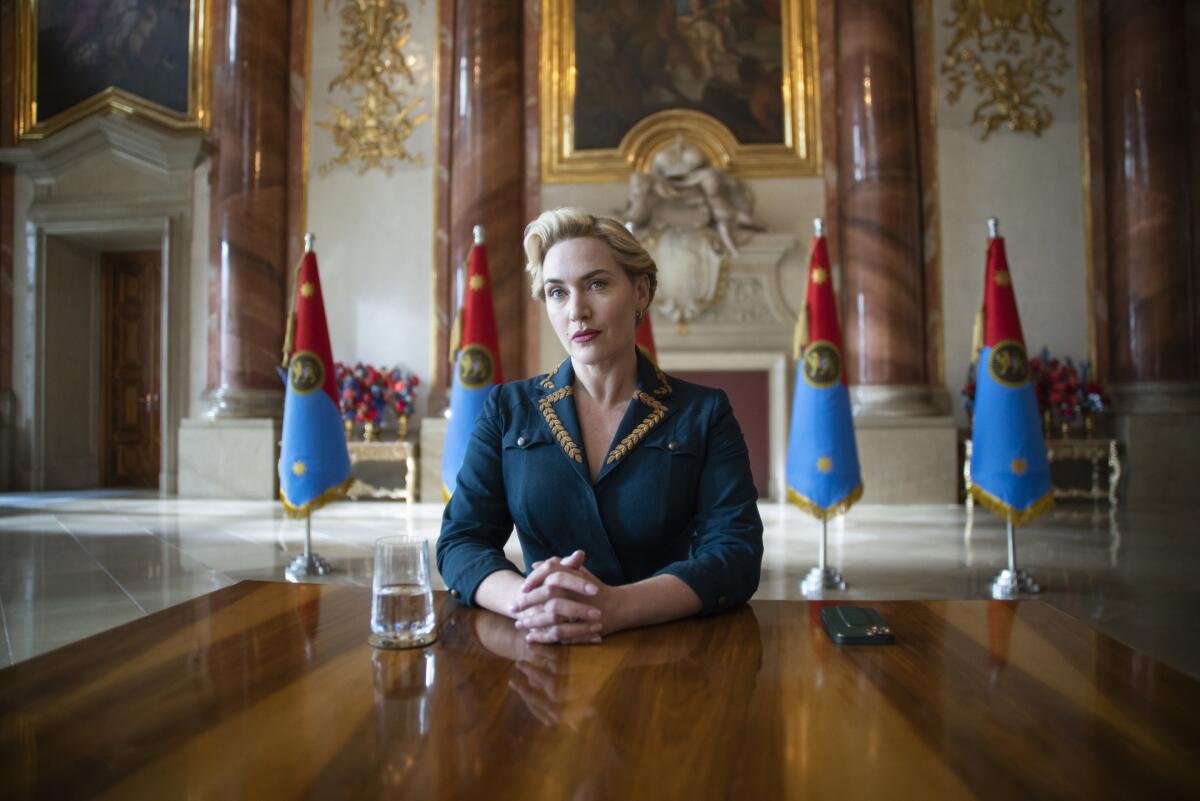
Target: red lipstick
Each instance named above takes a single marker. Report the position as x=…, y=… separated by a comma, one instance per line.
x=585, y=335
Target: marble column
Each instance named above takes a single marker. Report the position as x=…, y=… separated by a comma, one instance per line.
x=486, y=183
x=1148, y=142
x=247, y=276
x=482, y=175
x=297, y=162
x=8, y=11
x=879, y=207
x=907, y=443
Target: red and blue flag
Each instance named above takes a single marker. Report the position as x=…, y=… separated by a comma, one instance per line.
x=476, y=365
x=823, y=475
x=1009, y=471
x=314, y=465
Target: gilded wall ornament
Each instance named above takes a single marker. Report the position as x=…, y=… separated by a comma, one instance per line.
x=1010, y=53
x=376, y=73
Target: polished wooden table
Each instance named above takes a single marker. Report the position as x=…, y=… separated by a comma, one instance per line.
x=269, y=690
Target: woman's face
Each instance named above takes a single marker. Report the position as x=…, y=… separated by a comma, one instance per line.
x=590, y=300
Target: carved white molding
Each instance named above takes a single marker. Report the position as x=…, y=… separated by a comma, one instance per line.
x=751, y=310
x=144, y=201
x=125, y=138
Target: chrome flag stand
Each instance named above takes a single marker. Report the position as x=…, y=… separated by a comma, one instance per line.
x=309, y=563
x=1012, y=582
x=822, y=577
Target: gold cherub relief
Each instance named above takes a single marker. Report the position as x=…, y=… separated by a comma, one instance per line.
x=375, y=70
x=1011, y=54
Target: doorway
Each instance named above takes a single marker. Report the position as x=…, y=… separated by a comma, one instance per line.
x=130, y=359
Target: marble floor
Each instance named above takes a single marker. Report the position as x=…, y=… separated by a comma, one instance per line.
x=73, y=564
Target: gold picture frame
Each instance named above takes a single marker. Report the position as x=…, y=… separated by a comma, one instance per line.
x=797, y=154
x=32, y=125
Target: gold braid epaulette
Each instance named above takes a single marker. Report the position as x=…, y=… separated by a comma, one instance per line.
x=665, y=387
x=548, y=381
x=556, y=427
x=657, y=412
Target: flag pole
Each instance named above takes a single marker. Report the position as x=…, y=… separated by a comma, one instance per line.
x=1010, y=582
x=308, y=563
x=824, y=541
x=822, y=577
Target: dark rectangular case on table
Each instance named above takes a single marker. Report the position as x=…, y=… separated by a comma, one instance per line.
x=856, y=625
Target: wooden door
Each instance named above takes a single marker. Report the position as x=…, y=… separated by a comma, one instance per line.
x=130, y=368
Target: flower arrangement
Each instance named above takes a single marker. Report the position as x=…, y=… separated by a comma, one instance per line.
x=968, y=391
x=1065, y=392
x=367, y=394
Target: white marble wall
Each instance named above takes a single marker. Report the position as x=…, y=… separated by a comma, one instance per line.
x=1034, y=185
x=197, y=294
x=105, y=184
x=374, y=231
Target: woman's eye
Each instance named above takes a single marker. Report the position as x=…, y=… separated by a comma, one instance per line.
x=597, y=284
x=555, y=293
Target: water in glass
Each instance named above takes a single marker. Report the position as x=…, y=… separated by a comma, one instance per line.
x=402, y=609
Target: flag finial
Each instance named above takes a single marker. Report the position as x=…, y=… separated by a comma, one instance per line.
x=818, y=226
x=309, y=240
x=993, y=227
x=478, y=231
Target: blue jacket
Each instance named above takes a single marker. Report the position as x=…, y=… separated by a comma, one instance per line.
x=675, y=495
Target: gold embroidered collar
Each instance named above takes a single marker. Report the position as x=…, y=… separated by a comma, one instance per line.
x=657, y=409
x=657, y=412
x=557, y=429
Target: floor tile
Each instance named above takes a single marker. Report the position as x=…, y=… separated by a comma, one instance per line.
x=72, y=564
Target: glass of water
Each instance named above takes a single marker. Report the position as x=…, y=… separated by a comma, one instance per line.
x=402, y=604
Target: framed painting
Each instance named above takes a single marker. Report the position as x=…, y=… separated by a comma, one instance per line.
x=620, y=79
x=146, y=58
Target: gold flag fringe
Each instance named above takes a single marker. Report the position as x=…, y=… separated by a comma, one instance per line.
x=1006, y=512
x=445, y=494
x=456, y=332
x=800, y=335
x=329, y=495
x=826, y=512
x=977, y=337
x=456, y=328
x=289, y=336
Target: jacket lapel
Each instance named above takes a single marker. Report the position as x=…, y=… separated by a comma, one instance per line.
x=651, y=404
x=557, y=406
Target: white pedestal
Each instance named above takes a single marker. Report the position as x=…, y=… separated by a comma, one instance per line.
x=433, y=443
x=232, y=458
x=1161, y=458
x=908, y=459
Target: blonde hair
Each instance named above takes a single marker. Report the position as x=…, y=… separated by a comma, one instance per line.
x=558, y=225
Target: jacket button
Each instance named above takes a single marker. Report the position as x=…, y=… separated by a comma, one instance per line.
x=672, y=445
x=722, y=601
x=455, y=594
x=520, y=442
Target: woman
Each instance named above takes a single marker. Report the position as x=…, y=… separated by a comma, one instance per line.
x=630, y=491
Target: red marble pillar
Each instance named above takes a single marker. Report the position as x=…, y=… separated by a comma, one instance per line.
x=247, y=275
x=1148, y=148
x=297, y=162
x=481, y=163
x=8, y=11
x=879, y=202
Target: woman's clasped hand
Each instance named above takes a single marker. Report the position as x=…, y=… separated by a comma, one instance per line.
x=561, y=601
